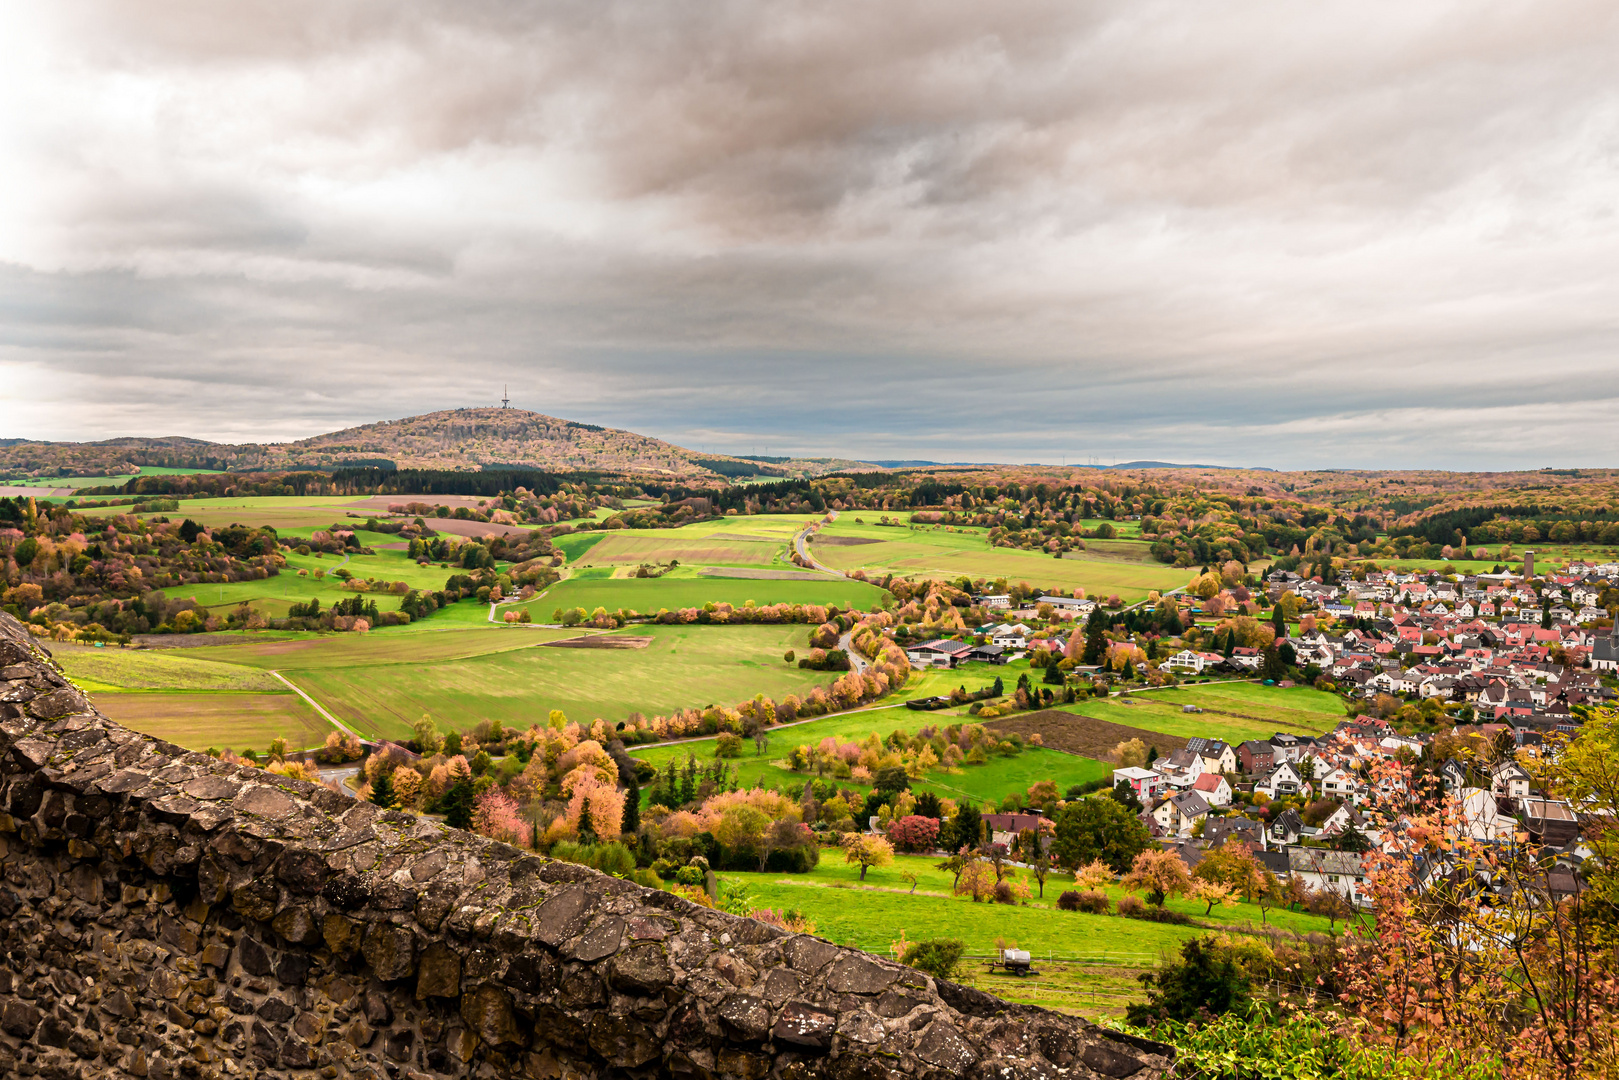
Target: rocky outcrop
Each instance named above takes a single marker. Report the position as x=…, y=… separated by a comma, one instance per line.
x=167, y=915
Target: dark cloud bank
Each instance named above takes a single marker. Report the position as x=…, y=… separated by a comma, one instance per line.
x=1300, y=235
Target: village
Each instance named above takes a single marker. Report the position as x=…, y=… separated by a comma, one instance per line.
x=1455, y=685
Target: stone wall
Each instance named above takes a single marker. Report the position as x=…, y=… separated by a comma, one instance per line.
x=167, y=915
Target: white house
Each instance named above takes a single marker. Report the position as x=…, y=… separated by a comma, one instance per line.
x=1336, y=871
x=1478, y=817
x=1181, y=769
x=1283, y=780
x=1342, y=784
x=1188, y=660
x=1009, y=637
x=1509, y=780
x=1217, y=754
x=1144, y=782
x=1214, y=789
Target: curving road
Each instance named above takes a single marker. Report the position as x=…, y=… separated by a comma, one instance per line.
x=857, y=663
x=801, y=545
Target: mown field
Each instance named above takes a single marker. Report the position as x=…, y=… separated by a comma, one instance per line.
x=650, y=595
x=663, y=545
x=1118, y=566
x=685, y=666
x=1087, y=962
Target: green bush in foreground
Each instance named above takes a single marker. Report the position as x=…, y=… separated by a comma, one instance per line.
x=1264, y=1044
x=939, y=957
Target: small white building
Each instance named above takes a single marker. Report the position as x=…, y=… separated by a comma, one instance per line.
x=1144, y=782
x=1333, y=871
x=1508, y=780
x=1214, y=789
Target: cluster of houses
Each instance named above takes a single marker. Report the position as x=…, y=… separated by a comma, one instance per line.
x=1186, y=797
x=1517, y=657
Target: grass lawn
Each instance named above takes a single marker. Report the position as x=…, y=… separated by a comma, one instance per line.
x=685, y=666
x=198, y=721
x=1232, y=711
x=933, y=552
x=648, y=595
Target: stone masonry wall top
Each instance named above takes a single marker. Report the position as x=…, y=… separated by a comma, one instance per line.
x=169, y=915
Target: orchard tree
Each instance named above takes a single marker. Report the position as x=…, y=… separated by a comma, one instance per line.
x=1160, y=874
x=867, y=851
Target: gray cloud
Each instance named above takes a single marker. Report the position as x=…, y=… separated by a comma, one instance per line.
x=1314, y=235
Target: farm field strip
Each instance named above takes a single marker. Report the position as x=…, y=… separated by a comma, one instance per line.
x=661, y=546
x=198, y=721
x=651, y=594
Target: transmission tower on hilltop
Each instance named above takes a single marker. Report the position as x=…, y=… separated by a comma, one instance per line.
x=506, y=402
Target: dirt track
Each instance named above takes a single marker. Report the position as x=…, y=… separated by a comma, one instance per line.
x=1083, y=735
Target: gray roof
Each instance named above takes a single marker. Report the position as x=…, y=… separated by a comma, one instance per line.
x=1317, y=861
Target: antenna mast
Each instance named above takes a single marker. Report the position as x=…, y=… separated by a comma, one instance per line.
x=505, y=402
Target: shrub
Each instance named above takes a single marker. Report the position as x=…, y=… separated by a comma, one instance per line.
x=1206, y=979
x=690, y=875
x=612, y=858
x=939, y=957
x=647, y=878
x=1132, y=907
x=728, y=745
x=1004, y=894
x=1091, y=901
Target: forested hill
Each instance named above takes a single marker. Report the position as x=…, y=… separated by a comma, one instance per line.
x=471, y=439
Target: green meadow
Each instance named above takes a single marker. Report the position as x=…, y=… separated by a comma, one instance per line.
x=649, y=595
x=1232, y=711
x=1122, y=567
x=1084, y=963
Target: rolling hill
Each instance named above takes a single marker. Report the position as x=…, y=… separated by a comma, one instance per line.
x=470, y=439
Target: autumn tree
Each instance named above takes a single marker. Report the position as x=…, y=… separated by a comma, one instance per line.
x=1160, y=874
x=867, y=851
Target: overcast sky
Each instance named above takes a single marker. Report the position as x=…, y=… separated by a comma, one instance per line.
x=1295, y=235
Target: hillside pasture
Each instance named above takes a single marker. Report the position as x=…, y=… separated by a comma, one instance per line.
x=989, y=782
